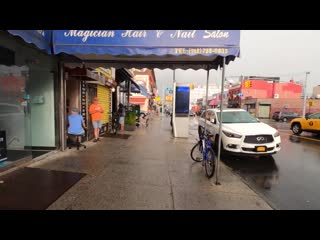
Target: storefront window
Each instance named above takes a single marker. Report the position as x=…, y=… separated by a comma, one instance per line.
x=15, y=114
x=28, y=119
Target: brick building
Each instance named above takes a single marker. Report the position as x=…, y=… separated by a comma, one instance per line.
x=264, y=89
x=145, y=78
x=265, y=107
x=263, y=97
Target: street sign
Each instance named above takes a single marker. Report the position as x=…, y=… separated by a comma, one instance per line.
x=169, y=89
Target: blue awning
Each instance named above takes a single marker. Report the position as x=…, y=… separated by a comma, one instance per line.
x=162, y=49
x=40, y=38
x=153, y=48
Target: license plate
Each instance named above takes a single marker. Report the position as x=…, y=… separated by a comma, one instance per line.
x=261, y=149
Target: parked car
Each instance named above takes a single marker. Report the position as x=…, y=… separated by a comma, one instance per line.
x=308, y=114
x=284, y=116
x=308, y=124
x=242, y=134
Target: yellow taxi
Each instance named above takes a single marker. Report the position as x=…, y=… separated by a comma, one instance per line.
x=308, y=124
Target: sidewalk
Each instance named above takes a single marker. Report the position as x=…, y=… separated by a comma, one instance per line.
x=150, y=170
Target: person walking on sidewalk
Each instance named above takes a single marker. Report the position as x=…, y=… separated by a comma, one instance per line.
x=121, y=114
x=96, y=111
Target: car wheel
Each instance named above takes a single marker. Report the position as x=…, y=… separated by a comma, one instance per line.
x=296, y=128
x=284, y=119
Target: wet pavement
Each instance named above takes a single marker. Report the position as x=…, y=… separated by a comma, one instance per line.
x=34, y=189
x=149, y=170
x=289, y=179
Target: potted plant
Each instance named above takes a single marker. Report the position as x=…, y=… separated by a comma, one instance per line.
x=130, y=121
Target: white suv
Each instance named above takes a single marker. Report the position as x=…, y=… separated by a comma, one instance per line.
x=242, y=134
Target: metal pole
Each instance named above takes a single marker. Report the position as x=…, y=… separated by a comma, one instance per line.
x=242, y=77
x=174, y=104
x=62, y=104
x=163, y=99
x=173, y=81
x=205, y=108
x=220, y=123
x=129, y=92
x=87, y=109
x=305, y=96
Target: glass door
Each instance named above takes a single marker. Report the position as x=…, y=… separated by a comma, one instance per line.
x=15, y=115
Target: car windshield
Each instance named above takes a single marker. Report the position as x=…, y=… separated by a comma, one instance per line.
x=237, y=117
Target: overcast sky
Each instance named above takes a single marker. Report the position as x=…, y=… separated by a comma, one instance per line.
x=277, y=53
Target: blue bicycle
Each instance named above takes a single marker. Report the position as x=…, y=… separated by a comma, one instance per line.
x=203, y=151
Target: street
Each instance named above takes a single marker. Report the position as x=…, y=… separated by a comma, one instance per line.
x=288, y=179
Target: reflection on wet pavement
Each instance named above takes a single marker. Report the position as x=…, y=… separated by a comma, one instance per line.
x=264, y=172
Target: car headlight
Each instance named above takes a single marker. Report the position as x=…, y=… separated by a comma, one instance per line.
x=277, y=134
x=231, y=135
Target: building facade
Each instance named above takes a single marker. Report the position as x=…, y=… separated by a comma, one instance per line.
x=316, y=92
x=145, y=78
x=265, y=107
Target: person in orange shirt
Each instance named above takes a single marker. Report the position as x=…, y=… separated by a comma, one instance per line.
x=96, y=111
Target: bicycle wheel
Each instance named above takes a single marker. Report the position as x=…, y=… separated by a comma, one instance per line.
x=114, y=128
x=196, y=152
x=210, y=164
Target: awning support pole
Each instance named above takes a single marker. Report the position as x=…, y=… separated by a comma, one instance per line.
x=220, y=123
x=207, y=86
x=163, y=99
x=129, y=92
x=62, y=110
x=174, y=105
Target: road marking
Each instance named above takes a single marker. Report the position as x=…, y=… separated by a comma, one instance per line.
x=308, y=138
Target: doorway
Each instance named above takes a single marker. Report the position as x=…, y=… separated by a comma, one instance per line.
x=264, y=110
